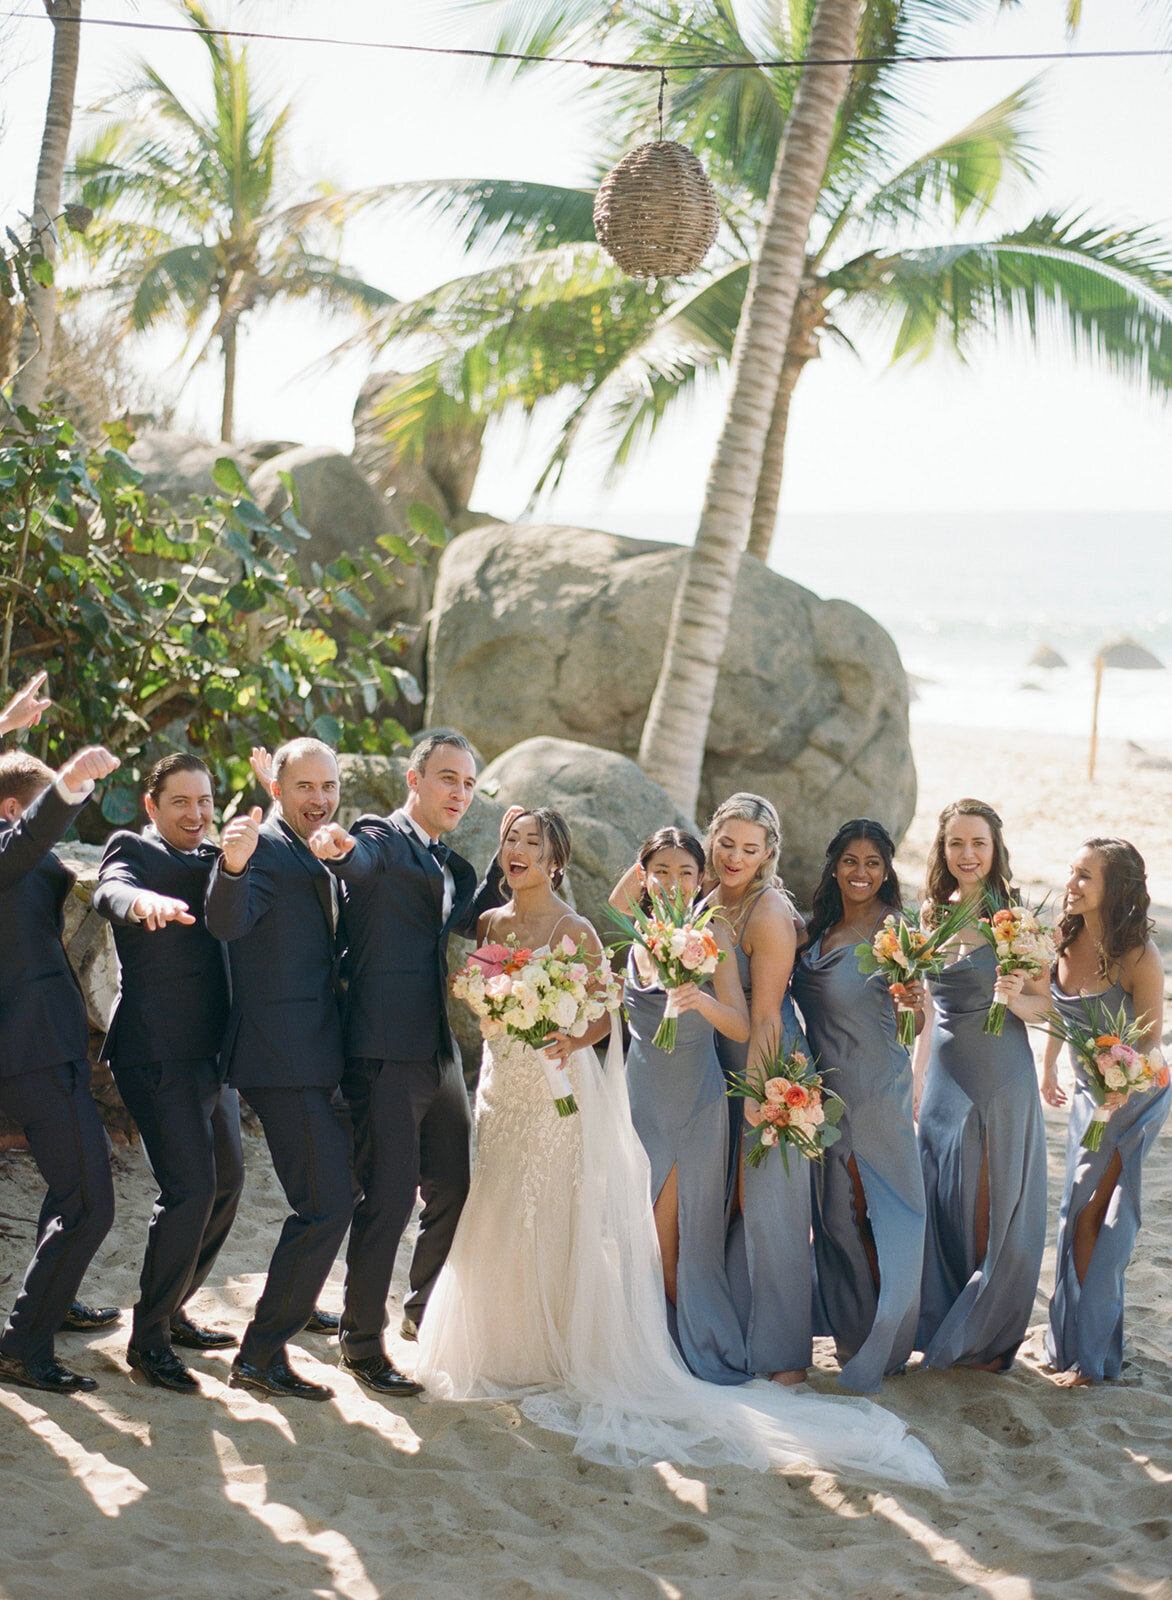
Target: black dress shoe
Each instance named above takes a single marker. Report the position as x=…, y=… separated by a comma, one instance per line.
x=82, y=1318
x=162, y=1367
x=49, y=1375
x=409, y=1329
x=322, y=1322
x=278, y=1378
x=381, y=1375
x=192, y=1337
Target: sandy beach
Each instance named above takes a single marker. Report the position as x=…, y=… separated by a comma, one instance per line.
x=131, y=1492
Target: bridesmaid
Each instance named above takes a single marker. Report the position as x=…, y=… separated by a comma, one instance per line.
x=679, y=1111
x=1106, y=960
x=982, y=1143
x=769, y=1256
x=868, y=1189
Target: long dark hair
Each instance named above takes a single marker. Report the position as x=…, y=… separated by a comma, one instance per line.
x=1126, y=903
x=669, y=839
x=940, y=883
x=557, y=842
x=826, y=907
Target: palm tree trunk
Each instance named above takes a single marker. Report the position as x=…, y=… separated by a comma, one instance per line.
x=674, y=735
x=36, y=336
x=228, y=413
x=802, y=347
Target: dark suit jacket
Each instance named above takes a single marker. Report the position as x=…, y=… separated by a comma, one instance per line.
x=42, y=1013
x=174, y=1000
x=396, y=964
x=284, y=1028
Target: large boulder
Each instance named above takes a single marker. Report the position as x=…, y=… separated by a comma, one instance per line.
x=610, y=806
x=177, y=467
x=560, y=631
x=379, y=784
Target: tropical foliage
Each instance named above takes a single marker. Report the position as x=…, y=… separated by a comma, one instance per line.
x=157, y=630
x=198, y=221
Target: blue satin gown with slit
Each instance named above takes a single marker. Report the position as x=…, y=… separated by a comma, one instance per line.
x=1086, y=1320
x=770, y=1265
x=679, y=1112
x=850, y=1023
x=980, y=1100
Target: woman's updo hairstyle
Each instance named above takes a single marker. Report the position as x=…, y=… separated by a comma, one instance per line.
x=669, y=839
x=754, y=808
x=556, y=841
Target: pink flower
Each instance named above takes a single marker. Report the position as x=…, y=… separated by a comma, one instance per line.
x=775, y=1089
x=499, y=986
x=568, y=947
x=491, y=957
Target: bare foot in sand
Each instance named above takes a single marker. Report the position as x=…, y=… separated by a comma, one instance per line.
x=789, y=1380
x=1071, y=1380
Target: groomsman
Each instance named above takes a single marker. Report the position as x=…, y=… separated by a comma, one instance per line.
x=277, y=909
x=163, y=1047
x=405, y=892
x=44, y=1046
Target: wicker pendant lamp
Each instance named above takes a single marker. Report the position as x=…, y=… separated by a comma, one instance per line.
x=655, y=214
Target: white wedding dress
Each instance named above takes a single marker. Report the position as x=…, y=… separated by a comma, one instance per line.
x=553, y=1295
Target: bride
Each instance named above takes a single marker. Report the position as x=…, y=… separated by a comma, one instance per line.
x=553, y=1291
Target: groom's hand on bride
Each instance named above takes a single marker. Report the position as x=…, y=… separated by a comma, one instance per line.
x=331, y=842
x=508, y=820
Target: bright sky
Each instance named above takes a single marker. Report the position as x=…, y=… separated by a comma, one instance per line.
x=1013, y=431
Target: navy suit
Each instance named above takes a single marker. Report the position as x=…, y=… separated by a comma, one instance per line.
x=283, y=1047
x=163, y=1047
x=403, y=1081
x=44, y=1076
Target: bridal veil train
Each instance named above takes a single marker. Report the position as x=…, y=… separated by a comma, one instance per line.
x=553, y=1296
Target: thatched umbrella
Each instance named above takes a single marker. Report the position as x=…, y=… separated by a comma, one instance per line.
x=1047, y=657
x=1126, y=653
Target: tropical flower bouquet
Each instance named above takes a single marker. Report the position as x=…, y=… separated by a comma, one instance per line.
x=531, y=995
x=680, y=947
x=1115, y=1068
x=1022, y=943
x=904, y=952
x=787, y=1103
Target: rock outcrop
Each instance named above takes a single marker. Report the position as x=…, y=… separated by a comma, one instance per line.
x=555, y=631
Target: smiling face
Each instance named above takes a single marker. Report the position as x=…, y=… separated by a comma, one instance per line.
x=309, y=791
x=674, y=871
x=1086, y=885
x=859, y=874
x=182, y=810
x=439, y=795
x=968, y=851
x=738, y=851
x=525, y=857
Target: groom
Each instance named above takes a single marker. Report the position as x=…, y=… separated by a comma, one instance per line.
x=405, y=892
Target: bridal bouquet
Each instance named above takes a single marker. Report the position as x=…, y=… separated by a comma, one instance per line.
x=1022, y=944
x=532, y=994
x=680, y=947
x=1115, y=1069
x=788, y=1104
x=904, y=952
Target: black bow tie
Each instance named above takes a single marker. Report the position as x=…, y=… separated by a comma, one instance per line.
x=440, y=851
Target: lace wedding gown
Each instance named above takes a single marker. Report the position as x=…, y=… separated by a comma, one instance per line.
x=553, y=1295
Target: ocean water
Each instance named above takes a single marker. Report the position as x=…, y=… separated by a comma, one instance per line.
x=969, y=597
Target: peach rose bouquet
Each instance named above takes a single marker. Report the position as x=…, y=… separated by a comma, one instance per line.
x=1113, y=1068
x=679, y=947
x=787, y=1105
x=1021, y=943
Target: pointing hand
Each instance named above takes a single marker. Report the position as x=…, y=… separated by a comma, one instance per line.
x=154, y=911
x=331, y=842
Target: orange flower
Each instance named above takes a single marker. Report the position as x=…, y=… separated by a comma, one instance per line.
x=1002, y=916
x=1106, y=1040
x=796, y=1097
x=1161, y=1078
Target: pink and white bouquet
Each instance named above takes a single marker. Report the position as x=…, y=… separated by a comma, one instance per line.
x=679, y=945
x=1022, y=943
x=1115, y=1069
x=532, y=994
x=788, y=1104
x=904, y=952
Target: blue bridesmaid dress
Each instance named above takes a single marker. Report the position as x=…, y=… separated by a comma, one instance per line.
x=980, y=1097
x=850, y=1023
x=770, y=1265
x=679, y=1111
x=1086, y=1320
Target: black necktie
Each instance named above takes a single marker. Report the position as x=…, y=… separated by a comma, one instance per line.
x=440, y=852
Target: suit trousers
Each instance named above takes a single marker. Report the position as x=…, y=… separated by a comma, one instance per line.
x=312, y=1159
x=412, y=1131
x=190, y=1125
x=68, y=1142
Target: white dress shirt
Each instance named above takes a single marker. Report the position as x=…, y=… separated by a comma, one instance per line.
x=425, y=840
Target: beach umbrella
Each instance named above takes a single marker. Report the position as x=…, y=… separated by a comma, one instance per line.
x=1124, y=653
x=1047, y=657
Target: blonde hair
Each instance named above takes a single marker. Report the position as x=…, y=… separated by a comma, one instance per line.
x=754, y=808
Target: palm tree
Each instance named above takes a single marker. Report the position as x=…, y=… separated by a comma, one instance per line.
x=194, y=216
x=36, y=334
